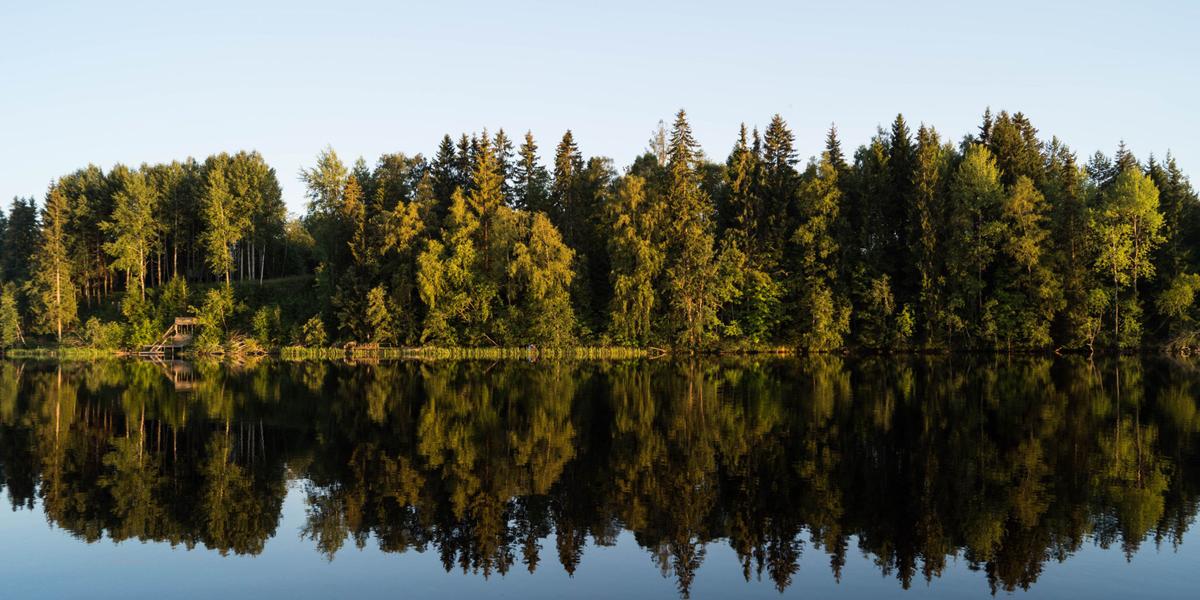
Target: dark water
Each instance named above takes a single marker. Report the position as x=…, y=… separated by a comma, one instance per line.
x=905, y=477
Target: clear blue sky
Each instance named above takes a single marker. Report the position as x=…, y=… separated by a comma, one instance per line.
x=135, y=82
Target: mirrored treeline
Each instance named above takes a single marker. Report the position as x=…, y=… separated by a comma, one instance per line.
x=1006, y=464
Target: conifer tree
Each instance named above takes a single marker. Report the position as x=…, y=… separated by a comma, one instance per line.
x=741, y=171
x=53, y=286
x=695, y=289
x=926, y=235
x=567, y=165
x=825, y=313
x=20, y=237
x=778, y=186
x=530, y=179
x=444, y=174
x=503, y=148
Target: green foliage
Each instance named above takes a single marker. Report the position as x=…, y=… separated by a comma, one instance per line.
x=313, y=334
x=1004, y=242
x=10, y=319
x=1126, y=228
x=52, y=288
x=266, y=325
x=378, y=318
x=101, y=335
x=541, y=268
x=214, y=316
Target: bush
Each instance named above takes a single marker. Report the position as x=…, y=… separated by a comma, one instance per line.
x=102, y=335
x=313, y=334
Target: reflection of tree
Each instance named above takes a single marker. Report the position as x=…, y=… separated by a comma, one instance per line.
x=1006, y=463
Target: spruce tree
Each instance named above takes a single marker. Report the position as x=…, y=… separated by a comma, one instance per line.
x=530, y=179
x=825, y=313
x=779, y=181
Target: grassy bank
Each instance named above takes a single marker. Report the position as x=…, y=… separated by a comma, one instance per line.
x=63, y=353
x=438, y=353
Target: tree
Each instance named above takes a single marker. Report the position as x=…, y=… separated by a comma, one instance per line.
x=824, y=313
x=927, y=215
x=975, y=195
x=696, y=291
x=1126, y=226
x=1028, y=292
x=637, y=261
x=223, y=221
x=530, y=179
x=379, y=320
x=132, y=226
x=541, y=267
x=779, y=181
x=10, y=318
x=20, y=237
x=52, y=288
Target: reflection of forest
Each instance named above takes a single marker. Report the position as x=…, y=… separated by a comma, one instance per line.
x=1003, y=463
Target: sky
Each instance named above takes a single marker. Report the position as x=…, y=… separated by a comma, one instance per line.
x=133, y=82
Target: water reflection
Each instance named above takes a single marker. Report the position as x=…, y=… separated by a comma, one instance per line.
x=1005, y=464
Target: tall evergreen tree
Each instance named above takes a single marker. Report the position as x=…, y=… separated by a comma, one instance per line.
x=530, y=179
x=778, y=186
x=825, y=313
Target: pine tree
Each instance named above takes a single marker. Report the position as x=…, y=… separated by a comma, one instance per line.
x=530, y=179
x=52, y=289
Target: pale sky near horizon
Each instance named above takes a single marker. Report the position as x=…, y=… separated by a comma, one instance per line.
x=134, y=82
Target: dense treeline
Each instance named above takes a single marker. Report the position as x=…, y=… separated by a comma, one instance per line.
x=499, y=467
x=1003, y=241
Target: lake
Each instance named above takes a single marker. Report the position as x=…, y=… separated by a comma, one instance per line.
x=947, y=477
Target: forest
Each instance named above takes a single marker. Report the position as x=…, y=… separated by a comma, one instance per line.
x=1004, y=241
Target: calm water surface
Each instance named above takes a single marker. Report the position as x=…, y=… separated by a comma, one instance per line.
x=904, y=477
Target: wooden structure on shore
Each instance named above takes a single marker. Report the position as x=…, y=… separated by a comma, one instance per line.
x=177, y=337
